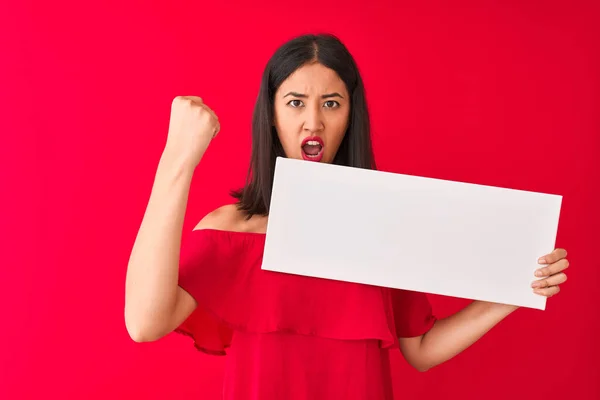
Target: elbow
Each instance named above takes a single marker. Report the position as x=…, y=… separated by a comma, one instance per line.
x=135, y=332
x=139, y=331
x=137, y=335
x=422, y=368
x=418, y=361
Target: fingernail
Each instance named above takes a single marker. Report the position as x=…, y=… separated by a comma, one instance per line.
x=541, y=260
x=536, y=291
x=535, y=284
x=538, y=273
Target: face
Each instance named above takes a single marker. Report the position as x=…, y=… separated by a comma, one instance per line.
x=312, y=109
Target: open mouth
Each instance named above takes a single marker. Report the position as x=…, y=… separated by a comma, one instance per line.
x=312, y=148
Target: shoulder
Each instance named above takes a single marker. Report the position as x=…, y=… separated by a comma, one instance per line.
x=224, y=218
x=231, y=219
x=225, y=232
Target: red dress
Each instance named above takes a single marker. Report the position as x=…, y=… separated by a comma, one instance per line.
x=288, y=336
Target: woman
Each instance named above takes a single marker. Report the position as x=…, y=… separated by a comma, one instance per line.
x=286, y=336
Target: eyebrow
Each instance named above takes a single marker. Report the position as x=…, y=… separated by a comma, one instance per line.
x=325, y=96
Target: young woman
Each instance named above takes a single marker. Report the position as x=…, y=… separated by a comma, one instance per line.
x=286, y=336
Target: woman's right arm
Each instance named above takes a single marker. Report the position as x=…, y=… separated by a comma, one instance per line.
x=153, y=300
x=154, y=303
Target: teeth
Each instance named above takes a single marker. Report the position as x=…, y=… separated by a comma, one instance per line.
x=313, y=143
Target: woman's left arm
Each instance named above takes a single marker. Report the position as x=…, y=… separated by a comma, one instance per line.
x=451, y=335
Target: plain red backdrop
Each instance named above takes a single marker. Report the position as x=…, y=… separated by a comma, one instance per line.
x=499, y=93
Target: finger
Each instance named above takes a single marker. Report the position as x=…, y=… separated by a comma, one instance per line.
x=551, y=281
x=195, y=99
x=548, y=292
x=552, y=269
x=553, y=257
x=207, y=108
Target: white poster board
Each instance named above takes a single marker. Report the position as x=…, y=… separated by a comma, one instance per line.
x=407, y=232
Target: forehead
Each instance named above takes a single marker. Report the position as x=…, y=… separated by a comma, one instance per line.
x=313, y=79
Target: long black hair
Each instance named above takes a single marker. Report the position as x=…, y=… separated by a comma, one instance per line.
x=354, y=151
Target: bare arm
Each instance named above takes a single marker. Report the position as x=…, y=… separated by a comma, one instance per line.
x=154, y=303
x=450, y=336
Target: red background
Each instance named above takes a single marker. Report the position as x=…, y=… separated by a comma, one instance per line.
x=499, y=93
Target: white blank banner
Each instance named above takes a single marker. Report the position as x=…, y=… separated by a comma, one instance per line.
x=406, y=232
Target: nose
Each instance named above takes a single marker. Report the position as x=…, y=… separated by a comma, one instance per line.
x=314, y=120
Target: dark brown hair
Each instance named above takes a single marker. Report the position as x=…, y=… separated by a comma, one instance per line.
x=354, y=151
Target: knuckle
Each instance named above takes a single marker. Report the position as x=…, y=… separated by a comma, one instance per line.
x=182, y=102
x=545, y=283
x=202, y=112
x=176, y=100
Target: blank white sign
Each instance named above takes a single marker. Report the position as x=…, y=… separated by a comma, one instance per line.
x=407, y=232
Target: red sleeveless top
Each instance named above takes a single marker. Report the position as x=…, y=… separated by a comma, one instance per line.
x=290, y=336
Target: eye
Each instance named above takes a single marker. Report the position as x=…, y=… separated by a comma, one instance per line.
x=295, y=103
x=331, y=104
